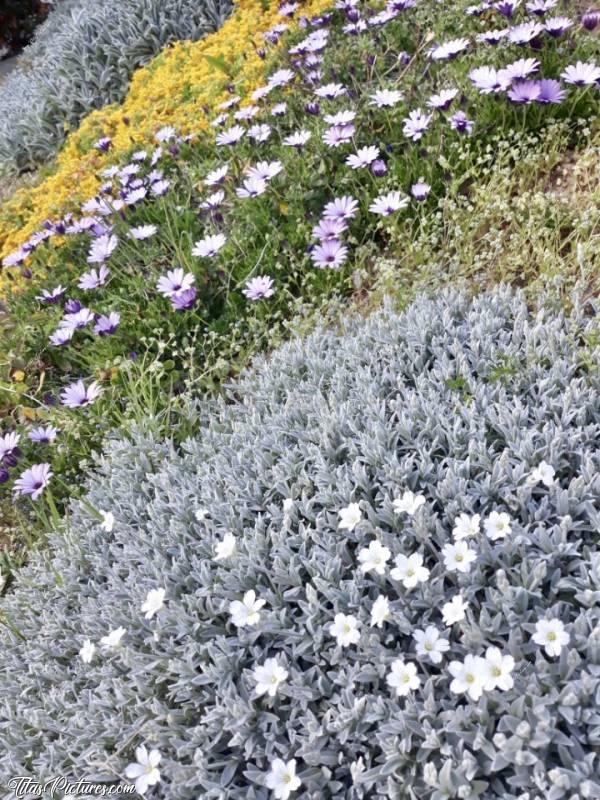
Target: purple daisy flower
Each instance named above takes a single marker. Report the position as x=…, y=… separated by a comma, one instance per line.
x=45, y=435
x=183, y=301
x=518, y=70
x=386, y=98
x=230, y=136
x=61, y=336
x=341, y=208
x=176, y=280
x=259, y=133
x=507, y=7
x=540, y=7
x=550, y=91
x=590, y=20
x=449, y=50
x=526, y=33
x=33, y=481
x=329, y=229
x=77, y=396
x=330, y=91
x=379, y=168
x=52, y=296
x=160, y=188
x=420, y=190
x=581, y=74
x=252, y=187
x=103, y=144
x=443, y=100
x=9, y=449
x=72, y=306
x=248, y=112
x=15, y=259
x=101, y=249
x=281, y=78
x=208, y=247
x=338, y=135
x=558, y=26
x=94, y=278
x=387, y=204
x=524, y=92
x=415, y=125
x=487, y=80
x=265, y=170
x=259, y=287
x=331, y=253
x=213, y=201
x=297, y=140
x=363, y=157
x=341, y=118
x=78, y=319
x=216, y=176
x=135, y=196
x=461, y=123
x=492, y=37
x=143, y=232
x=105, y=325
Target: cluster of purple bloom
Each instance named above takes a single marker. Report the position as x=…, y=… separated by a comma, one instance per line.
x=333, y=116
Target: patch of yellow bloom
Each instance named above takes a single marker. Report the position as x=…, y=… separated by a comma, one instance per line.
x=176, y=88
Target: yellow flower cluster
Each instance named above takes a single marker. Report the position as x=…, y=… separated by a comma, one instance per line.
x=176, y=88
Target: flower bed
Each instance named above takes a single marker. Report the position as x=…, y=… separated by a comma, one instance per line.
x=180, y=87
x=82, y=58
x=199, y=250
x=363, y=578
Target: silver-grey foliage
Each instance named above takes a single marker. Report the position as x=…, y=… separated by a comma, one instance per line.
x=454, y=398
x=82, y=58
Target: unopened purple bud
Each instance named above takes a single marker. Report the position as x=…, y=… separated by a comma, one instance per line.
x=125, y=120
x=261, y=53
x=4, y=475
x=370, y=60
x=404, y=57
x=72, y=306
x=133, y=356
x=11, y=458
x=590, y=20
x=353, y=15
x=174, y=149
x=379, y=168
x=313, y=109
x=26, y=273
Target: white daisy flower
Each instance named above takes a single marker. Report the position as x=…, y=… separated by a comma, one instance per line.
x=403, y=677
x=345, y=629
x=155, y=600
x=409, y=503
x=374, y=557
x=246, y=612
x=268, y=677
x=409, y=570
x=350, y=517
x=551, y=635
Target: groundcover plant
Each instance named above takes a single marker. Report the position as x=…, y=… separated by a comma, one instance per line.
x=365, y=577
x=197, y=248
x=82, y=58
